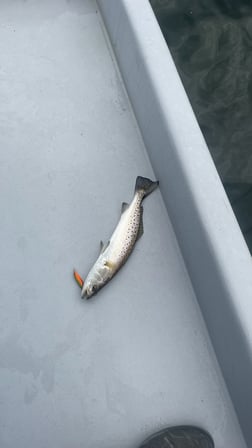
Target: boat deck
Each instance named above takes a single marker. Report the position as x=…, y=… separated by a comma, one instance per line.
x=109, y=371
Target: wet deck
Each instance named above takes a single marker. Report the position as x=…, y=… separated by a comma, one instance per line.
x=108, y=372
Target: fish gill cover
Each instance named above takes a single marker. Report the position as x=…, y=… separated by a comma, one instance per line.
x=211, y=44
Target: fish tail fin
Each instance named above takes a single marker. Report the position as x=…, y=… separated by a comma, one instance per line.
x=146, y=185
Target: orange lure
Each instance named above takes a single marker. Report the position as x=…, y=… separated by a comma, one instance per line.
x=78, y=279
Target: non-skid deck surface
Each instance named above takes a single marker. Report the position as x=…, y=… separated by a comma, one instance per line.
x=108, y=372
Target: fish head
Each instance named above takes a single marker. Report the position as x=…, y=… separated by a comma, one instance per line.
x=98, y=276
x=90, y=288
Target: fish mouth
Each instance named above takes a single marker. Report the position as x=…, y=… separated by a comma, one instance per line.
x=84, y=293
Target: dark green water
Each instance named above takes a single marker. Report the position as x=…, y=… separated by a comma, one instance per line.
x=211, y=44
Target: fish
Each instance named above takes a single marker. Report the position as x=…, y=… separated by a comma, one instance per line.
x=117, y=250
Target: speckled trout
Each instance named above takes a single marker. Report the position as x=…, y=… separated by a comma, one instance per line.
x=116, y=251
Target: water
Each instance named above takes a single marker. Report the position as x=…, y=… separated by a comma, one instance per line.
x=211, y=44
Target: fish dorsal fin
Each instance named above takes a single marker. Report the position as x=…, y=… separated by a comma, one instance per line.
x=103, y=246
x=124, y=207
x=141, y=228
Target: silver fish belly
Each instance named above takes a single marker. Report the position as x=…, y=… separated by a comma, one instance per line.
x=115, y=253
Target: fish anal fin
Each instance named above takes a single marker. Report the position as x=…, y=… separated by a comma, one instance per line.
x=141, y=228
x=124, y=207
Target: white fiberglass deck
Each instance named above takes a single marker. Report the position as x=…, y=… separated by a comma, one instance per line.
x=108, y=372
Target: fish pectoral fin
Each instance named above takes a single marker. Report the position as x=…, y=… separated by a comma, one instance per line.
x=103, y=246
x=125, y=205
x=141, y=228
x=109, y=264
